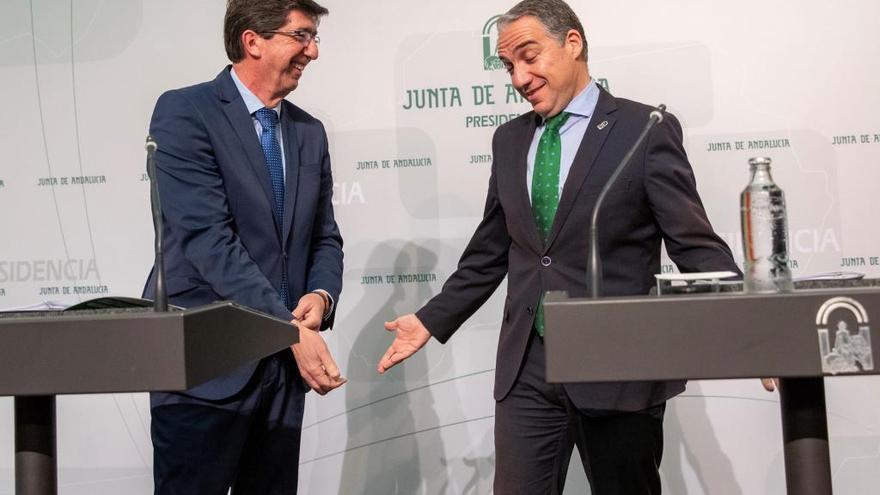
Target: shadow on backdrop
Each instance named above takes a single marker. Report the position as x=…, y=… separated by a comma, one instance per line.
x=691, y=444
x=383, y=454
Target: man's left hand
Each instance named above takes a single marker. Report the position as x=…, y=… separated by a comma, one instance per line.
x=309, y=311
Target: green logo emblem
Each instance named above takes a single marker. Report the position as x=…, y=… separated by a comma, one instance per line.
x=490, y=49
x=490, y=45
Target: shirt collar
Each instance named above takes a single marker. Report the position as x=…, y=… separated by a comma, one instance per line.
x=250, y=100
x=585, y=102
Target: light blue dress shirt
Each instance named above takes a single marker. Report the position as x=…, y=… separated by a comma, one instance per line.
x=253, y=104
x=571, y=133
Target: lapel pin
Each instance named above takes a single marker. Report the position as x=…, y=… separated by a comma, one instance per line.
x=602, y=125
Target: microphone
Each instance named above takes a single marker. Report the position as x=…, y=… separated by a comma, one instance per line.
x=160, y=302
x=594, y=264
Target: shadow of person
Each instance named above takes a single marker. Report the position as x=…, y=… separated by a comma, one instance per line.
x=690, y=440
x=480, y=470
x=384, y=454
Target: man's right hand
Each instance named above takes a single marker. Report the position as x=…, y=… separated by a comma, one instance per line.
x=410, y=336
x=315, y=363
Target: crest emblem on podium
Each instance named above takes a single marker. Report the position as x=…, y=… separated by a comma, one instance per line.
x=845, y=348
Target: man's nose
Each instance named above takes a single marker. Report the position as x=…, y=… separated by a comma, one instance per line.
x=520, y=79
x=312, y=49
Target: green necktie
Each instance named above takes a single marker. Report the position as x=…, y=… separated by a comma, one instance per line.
x=545, y=188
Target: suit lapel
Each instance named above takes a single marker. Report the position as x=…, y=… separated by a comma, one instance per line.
x=522, y=142
x=291, y=158
x=243, y=124
x=597, y=132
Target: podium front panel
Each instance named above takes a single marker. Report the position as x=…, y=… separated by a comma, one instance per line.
x=711, y=336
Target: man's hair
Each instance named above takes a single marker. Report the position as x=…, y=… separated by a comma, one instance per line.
x=556, y=16
x=260, y=16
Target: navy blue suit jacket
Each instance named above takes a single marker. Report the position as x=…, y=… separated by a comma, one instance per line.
x=222, y=240
x=655, y=199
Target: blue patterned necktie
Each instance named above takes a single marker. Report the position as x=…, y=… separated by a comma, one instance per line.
x=545, y=188
x=268, y=119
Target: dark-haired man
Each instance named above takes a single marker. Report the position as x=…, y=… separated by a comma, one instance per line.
x=548, y=168
x=246, y=196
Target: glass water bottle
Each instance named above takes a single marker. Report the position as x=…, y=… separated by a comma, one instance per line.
x=764, y=232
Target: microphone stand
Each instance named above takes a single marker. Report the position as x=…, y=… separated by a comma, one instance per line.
x=160, y=303
x=594, y=264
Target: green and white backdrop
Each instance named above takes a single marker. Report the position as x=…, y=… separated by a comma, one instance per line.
x=410, y=95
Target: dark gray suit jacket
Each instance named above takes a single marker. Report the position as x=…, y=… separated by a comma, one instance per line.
x=656, y=198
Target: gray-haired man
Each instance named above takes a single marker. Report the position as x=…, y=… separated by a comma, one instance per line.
x=548, y=167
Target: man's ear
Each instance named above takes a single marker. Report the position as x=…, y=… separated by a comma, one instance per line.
x=574, y=42
x=252, y=43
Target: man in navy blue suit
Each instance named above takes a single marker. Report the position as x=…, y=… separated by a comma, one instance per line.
x=246, y=197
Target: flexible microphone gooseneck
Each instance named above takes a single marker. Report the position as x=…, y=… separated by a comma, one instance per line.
x=594, y=264
x=160, y=303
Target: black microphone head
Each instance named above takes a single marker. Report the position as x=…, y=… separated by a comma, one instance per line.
x=151, y=145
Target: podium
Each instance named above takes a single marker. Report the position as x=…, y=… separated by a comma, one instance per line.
x=116, y=350
x=799, y=337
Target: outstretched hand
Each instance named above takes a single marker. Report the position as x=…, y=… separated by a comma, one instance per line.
x=410, y=336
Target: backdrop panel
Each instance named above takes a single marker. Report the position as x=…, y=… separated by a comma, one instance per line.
x=410, y=94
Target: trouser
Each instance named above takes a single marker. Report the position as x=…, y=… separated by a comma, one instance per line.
x=249, y=441
x=537, y=427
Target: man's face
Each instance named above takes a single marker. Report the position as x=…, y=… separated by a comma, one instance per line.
x=549, y=74
x=284, y=57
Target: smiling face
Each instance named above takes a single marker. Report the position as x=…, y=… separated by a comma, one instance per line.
x=547, y=72
x=273, y=63
x=284, y=58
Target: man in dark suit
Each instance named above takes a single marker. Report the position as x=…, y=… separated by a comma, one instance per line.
x=246, y=196
x=548, y=168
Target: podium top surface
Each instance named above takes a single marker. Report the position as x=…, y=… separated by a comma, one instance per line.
x=132, y=350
